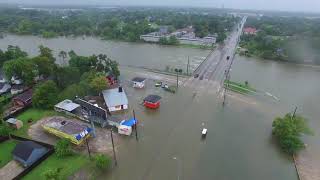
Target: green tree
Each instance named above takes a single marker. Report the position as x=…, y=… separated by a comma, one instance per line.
x=63, y=148
x=46, y=52
x=173, y=40
x=102, y=161
x=22, y=68
x=98, y=84
x=4, y=130
x=221, y=37
x=14, y=52
x=163, y=41
x=72, y=91
x=288, y=131
x=65, y=76
x=43, y=65
x=45, y=95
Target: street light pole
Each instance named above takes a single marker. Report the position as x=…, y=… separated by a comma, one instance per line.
x=114, y=152
x=188, y=66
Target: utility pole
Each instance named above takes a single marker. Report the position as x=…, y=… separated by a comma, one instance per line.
x=114, y=152
x=188, y=66
x=88, y=148
x=136, y=124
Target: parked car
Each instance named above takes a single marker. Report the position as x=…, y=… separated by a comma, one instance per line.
x=228, y=57
x=196, y=76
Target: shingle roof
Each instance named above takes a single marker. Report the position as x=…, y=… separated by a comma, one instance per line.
x=138, y=79
x=113, y=97
x=25, y=97
x=152, y=98
x=24, y=149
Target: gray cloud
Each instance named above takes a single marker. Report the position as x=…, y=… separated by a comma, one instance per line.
x=287, y=5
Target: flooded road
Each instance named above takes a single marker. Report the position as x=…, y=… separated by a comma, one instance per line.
x=130, y=54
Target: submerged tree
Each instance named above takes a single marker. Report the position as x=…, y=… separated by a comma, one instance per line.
x=288, y=132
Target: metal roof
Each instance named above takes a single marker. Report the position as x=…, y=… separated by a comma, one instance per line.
x=113, y=97
x=67, y=105
x=138, y=79
x=152, y=98
x=12, y=120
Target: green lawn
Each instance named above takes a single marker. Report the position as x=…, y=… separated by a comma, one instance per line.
x=69, y=165
x=35, y=115
x=5, y=151
x=238, y=87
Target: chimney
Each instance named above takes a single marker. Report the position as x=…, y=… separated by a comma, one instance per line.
x=120, y=89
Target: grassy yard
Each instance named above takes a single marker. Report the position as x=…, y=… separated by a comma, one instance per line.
x=69, y=165
x=238, y=87
x=35, y=115
x=5, y=152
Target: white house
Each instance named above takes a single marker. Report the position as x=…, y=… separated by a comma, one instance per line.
x=116, y=99
x=138, y=82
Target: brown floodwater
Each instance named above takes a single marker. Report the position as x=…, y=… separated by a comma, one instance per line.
x=238, y=144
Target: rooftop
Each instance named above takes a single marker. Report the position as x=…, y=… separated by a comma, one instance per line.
x=24, y=149
x=25, y=97
x=138, y=79
x=66, y=126
x=67, y=105
x=114, y=98
x=152, y=98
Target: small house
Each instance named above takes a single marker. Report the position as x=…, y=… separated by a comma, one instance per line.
x=28, y=152
x=14, y=123
x=115, y=99
x=138, y=82
x=66, y=106
x=250, y=31
x=4, y=87
x=152, y=101
x=24, y=99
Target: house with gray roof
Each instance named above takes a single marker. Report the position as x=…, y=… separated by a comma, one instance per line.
x=115, y=99
x=28, y=152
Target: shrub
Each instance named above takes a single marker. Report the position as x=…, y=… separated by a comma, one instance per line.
x=4, y=130
x=52, y=174
x=102, y=161
x=63, y=148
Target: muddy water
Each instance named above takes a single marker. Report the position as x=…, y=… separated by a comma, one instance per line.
x=238, y=144
x=134, y=54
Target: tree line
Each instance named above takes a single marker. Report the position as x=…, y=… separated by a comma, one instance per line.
x=122, y=24
x=85, y=75
x=279, y=38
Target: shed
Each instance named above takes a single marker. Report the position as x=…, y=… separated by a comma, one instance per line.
x=138, y=82
x=15, y=123
x=116, y=99
x=4, y=87
x=125, y=126
x=24, y=99
x=152, y=101
x=66, y=106
x=28, y=152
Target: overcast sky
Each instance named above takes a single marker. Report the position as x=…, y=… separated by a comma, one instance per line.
x=286, y=5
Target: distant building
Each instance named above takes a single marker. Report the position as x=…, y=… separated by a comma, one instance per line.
x=17, y=88
x=116, y=99
x=250, y=31
x=138, y=82
x=28, y=152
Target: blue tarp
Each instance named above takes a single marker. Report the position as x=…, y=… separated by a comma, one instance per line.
x=83, y=134
x=129, y=122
